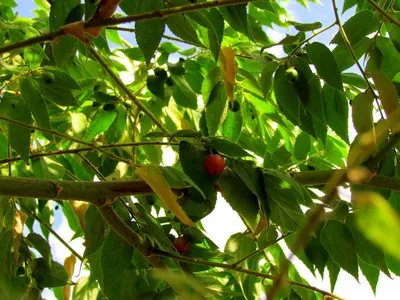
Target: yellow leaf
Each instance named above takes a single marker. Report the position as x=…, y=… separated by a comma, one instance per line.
x=228, y=69
x=69, y=264
x=387, y=92
x=260, y=226
x=362, y=111
x=154, y=177
x=18, y=227
x=77, y=30
x=79, y=208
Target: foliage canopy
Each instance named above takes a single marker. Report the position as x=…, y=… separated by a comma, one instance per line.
x=88, y=120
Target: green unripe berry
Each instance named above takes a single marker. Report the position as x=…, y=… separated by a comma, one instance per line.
x=235, y=106
x=48, y=77
x=109, y=107
x=292, y=75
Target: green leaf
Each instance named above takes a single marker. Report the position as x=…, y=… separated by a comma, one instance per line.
x=95, y=229
x=371, y=273
x=336, y=111
x=104, y=98
x=183, y=93
x=116, y=257
x=64, y=50
x=192, y=159
x=31, y=94
x=391, y=56
x=232, y=126
x=239, y=246
x=362, y=106
x=334, y=271
x=177, y=68
x=284, y=196
x=216, y=109
x=116, y=130
x=343, y=57
x=49, y=276
x=15, y=108
x=5, y=260
x=338, y=241
x=357, y=27
x=325, y=64
x=126, y=287
x=267, y=237
x=59, y=11
x=236, y=16
x=85, y=290
x=101, y=121
x=228, y=148
x=57, y=92
x=45, y=167
x=306, y=26
x=375, y=218
x=302, y=146
x=317, y=254
x=177, y=179
x=183, y=28
x=266, y=76
x=239, y=197
x=41, y=245
x=213, y=77
x=367, y=251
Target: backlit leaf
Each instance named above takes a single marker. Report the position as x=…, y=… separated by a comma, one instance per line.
x=216, y=108
x=154, y=177
x=362, y=106
x=338, y=241
x=387, y=92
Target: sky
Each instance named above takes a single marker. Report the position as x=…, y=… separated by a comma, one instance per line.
x=223, y=221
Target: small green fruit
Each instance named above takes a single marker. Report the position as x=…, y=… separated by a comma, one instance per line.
x=235, y=106
x=109, y=107
x=292, y=75
x=48, y=77
x=169, y=81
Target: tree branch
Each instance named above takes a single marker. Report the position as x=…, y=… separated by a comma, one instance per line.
x=242, y=270
x=67, y=137
x=157, y=14
x=90, y=191
x=87, y=149
x=384, y=13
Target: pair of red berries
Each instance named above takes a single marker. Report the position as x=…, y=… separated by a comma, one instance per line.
x=214, y=164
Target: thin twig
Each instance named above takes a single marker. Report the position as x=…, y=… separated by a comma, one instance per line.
x=303, y=235
x=87, y=149
x=168, y=37
x=241, y=270
x=384, y=13
x=51, y=230
x=310, y=38
x=127, y=91
x=67, y=137
x=353, y=54
x=157, y=14
x=260, y=250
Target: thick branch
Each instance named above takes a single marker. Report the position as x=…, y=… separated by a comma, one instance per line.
x=157, y=14
x=95, y=191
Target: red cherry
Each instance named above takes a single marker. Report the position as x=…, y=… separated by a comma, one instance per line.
x=214, y=164
x=181, y=245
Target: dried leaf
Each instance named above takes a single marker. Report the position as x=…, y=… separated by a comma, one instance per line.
x=105, y=10
x=387, y=92
x=18, y=227
x=260, y=226
x=228, y=69
x=153, y=175
x=79, y=208
x=69, y=264
x=77, y=30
